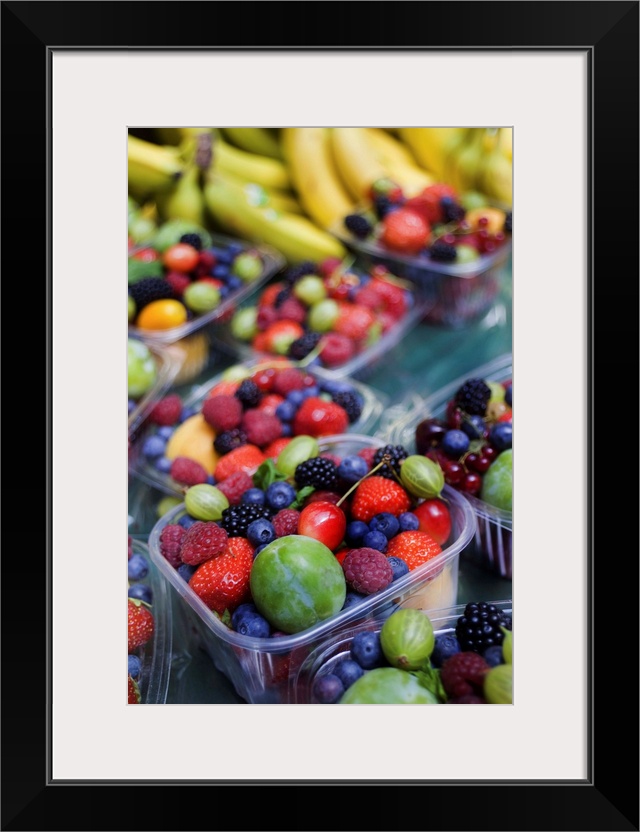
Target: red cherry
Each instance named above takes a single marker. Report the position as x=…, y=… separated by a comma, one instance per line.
x=454, y=473
x=435, y=519
x=472, y=483
x=490, y=452
x=480, y=464
x=323, y=521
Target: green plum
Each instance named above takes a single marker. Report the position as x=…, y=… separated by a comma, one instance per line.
x=296, y=582
x=497, y=391
x=387, y=686
x=497, y=486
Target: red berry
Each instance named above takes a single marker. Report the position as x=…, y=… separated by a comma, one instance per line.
x=435, y=519
x=204, y=540
x=405, y=231
x=463, y=674
x=336, y=349
x=166, y=411
x=317, y=417
x=187, y=471
x=414, y=547
x=222, y=583
x=171, y=538
x=133, y=691
x=140, y=623
x=367, y=570
x=323, y=521
x=377, y=494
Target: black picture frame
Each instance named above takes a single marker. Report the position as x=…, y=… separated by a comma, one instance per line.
x=608, y=799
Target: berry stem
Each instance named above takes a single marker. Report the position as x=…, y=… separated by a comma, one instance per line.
x=386, y=458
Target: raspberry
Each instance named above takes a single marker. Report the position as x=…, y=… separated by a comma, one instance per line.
x=293, y=310
x=178, y=282
x=222, y=412
x=367, y=570
x=266, y=316
x=234, y=486
x=286, y=522
x=261, y=428
x=166, y=411
x=288, y=380
x=463, y=674
x=336, y=349
x=203, y=541
x=187, y=471
x=171, y=538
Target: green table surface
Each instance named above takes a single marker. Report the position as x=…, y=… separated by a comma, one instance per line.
x=427, y=358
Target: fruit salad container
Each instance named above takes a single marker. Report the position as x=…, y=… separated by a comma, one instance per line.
x=492, y=547
x=261, y=668
x=350, y=406
x=185, y=279
x=155, y=656
x=152, y=369
x=458, y=275
x=324, y=659
x=346, y=317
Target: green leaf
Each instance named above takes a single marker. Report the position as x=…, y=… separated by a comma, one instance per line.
x=429, y=678
x=301, y=496
x=137, y=269
x=266, y=474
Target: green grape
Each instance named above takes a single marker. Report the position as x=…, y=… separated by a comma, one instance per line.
x=421, y=476
x=323, y=315
x=247, y=266
x=243, y=323
x=498, y=685
x=142, y=370
x=310, y=289
x=205, y=502
x=201, y=297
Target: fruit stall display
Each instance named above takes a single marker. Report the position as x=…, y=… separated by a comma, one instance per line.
x=151, y=370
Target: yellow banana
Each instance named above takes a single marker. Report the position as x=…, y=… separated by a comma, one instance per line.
x=430, y=146
x=357, y=164
x=400, y=164
x=296, y=237
x=505, y=141
x=268, y=172
x=186, y=200
x=463, y=163
x=151, y=168
x=265, y=197
x=314, y=175
x=495, y=174
x=261, y=140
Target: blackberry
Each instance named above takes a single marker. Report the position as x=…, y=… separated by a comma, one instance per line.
x=248, y=393
x=358, y=225
x=452, y=211
x=318, y=472
x=148, y=289
x=397, y=454
x=237, y=519
x=442, y=252
x=194, y=240
x=381, y=205
x=473, y=397
x=229, y=440
x=296, y=272
x=478, y=628
x=301, y=347
x=282, y=295
x=351, y=402
x=508, y=223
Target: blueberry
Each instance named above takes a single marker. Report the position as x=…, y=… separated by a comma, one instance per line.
x=355, y=531
x=235, y=249
x=141, y=591
x=375, y=540
x=295, y=397
x=187, y=413
x=186, y=521
x=474, y=427
x=223, y=255
x=311, y=392
x=165, y=432
x=220, y=271
x=248, y=608
x=286, y=429
x=352, y=468
x=455, y=443
x=234, y=283
x=260, y=532
x=280, y=495
x=162, y=464
x=493, y=655
x=348, y=671
x=247, y=621
x=223, y=290
x=137, y=567
x=186, y=570
x=366, y=650
x=285, y=411
x=328, y=689
x=333, y=386
x=446, y=645
x=135, y=666
x=153, y=447
x=507, y=396
x=253, y=497
x=501, y=436
x=352, y=598
x=386, y=523
x=398, y=566
x=408, y=522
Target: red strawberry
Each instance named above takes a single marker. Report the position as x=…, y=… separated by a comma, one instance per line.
x=281, y=334
x=269, y=403
x=354, y=321
x=259, y=342
x=316, y=417
x=204, y=540
x=378, y=494
x=269, y=295
x=133, y=693
x=140, y=623
x=264, y=378
x=393, y=296
x=245, y=458
x=404, y=231
x=428, y=202
x=415, y=548
x=222, y=583
x=273, y=450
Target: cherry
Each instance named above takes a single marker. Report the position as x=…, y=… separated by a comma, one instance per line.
x=472, y=483
x=453, y=472
x=435, y=519
x=490, y=452
x=480, y=463
x=429, y=433
x=454, y=416
x=323, y=521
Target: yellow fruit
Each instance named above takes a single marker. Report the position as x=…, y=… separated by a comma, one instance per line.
x=495, y=218
x=162, y=314
x=194, y=439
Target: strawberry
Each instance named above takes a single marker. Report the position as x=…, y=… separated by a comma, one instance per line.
x=354, y=321
x=140, y=623
x=269, y=403
x=269, y=295
x=316, y=417
x=203, y=541
x=415, y=548
x=224, y=388
x=281, y=334
x=272, y=451
x=245, y=458
x=404, y=231
x=428, y=202
x=377, y=494
x=222, y=583
x=263, y=378
x=392, y=296
x=133, y=693
x=259, y=342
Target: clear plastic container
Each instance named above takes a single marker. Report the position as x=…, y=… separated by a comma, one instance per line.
x=272, y=262
x=168, y=361
x=492, y=547
x=156, y=654
x=323, y=659
x=373, y=407
x=454, y=295
x=261, y=669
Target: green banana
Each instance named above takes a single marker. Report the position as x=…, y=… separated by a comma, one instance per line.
x=260, y=140
x=464, y=161
x=152, y=168
x=186, y=200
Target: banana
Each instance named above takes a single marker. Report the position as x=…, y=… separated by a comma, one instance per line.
x=314, y=176
x=463, y=166
x=431, y=145
x=495, y=174
x=261, y=140
x=505, y=141
x=265, y=197
x=265, y=171
x=399, y=162
x=186, y=200
x=296, y=237
x=152, y=168
x=355, y=160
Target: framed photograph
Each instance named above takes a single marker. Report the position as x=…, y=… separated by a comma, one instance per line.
x=564, y=75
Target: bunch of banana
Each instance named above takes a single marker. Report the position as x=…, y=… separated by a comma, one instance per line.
x=152, y=168
x=264, y=141
x=495, y=170
x=399, y=161
x=431, y=146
